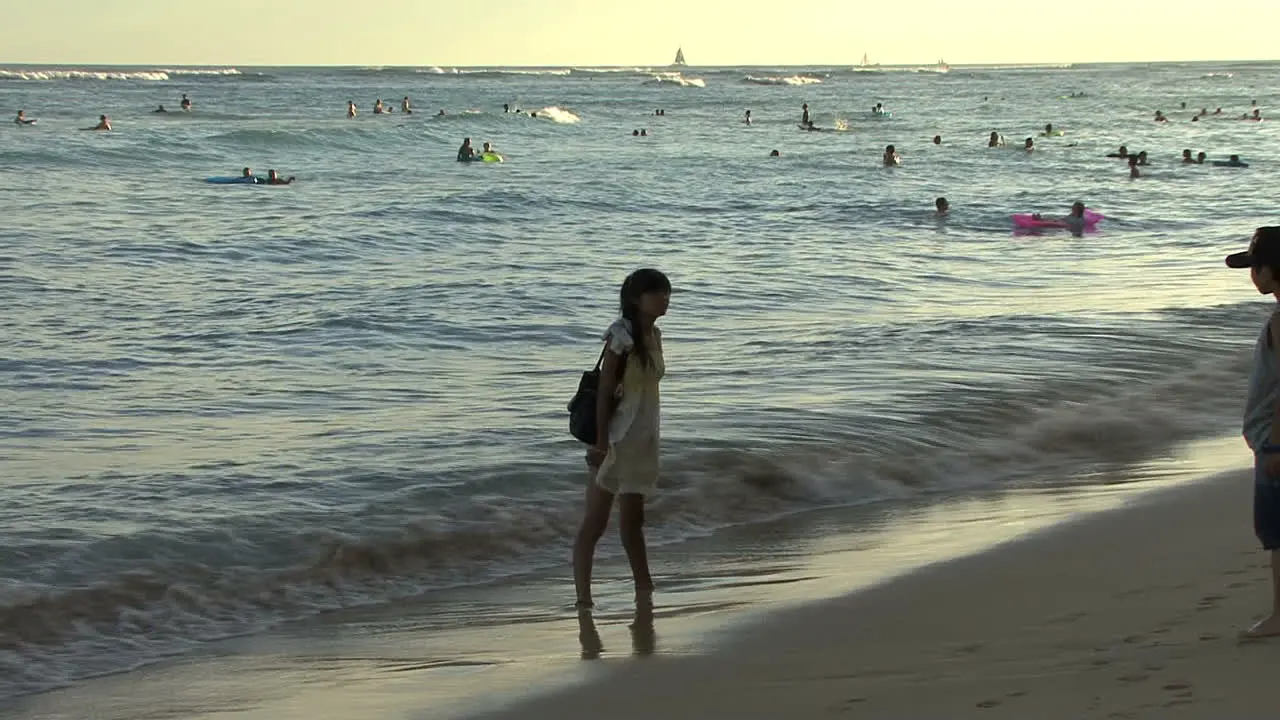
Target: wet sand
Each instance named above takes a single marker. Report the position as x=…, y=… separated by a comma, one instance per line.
x=1132, y=613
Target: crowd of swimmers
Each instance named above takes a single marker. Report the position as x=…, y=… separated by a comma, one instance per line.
x=104, y=122
x=381, y=108
x=892, y=158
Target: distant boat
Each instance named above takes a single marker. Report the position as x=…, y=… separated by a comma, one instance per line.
x=679, y=57
x=866, y=66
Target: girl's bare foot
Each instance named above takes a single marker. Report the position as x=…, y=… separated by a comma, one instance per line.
x=1266, y=628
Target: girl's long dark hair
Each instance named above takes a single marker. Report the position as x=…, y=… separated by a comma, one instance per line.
x=644, y=280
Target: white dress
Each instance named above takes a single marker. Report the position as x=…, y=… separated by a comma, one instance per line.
x=631, y=465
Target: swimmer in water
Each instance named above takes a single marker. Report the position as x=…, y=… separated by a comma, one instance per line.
x=774, y=153
x=996, y=140
x=441, y=113
x=1200, y=158
x=1160, y=117
x=1122, y=153
x=891, y=157
x=804, y=118
x=1029, y=145
x=635, y=133
x=941, y=206
x=1075, y=220
x=273, y=178
x=488, y=148
x=1186, y=157
x=378, y=108
x=160, y=110
x=747, y=119
x=466, y=153
x=1142, y=158
x=644, y=132
x=104, y=123
x=22, y=119
x=937, y=139
x=506, y=108
x=405, y=107
x=1133, y=168
x=247, y=172
x=186, y=103
x=1234, y=161
x=351, y=109
x=1048, y=130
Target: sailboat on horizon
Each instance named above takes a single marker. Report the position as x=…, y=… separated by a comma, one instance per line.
x=679, y=57
x=865, y=66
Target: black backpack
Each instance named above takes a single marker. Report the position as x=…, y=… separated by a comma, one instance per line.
x=582, y=408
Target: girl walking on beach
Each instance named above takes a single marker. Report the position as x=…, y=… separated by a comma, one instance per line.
x=624, y=461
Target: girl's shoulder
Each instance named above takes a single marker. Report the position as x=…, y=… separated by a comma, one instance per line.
x=618, y=335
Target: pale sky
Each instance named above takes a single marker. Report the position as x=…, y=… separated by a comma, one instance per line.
x=631, y=32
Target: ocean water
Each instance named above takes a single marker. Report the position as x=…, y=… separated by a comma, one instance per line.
x=229, y=406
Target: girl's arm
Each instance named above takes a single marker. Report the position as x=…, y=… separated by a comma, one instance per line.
x=609, y=374
x=1273, y=330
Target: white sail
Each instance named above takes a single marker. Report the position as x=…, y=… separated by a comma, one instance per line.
x=679, y=57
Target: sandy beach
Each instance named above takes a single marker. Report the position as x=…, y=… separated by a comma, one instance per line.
x=1131, y=613
x=1121, y=602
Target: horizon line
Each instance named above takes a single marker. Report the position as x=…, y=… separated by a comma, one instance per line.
x=636, y=65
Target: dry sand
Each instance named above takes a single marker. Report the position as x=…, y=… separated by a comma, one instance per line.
x=1131, y=613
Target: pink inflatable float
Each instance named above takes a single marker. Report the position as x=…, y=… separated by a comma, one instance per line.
x=1026, y=220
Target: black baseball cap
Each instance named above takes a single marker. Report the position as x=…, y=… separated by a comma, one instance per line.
x=1264, y=250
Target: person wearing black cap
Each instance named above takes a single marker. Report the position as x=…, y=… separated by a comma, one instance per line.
x=1261, y=424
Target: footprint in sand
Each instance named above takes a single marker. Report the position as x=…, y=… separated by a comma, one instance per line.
x=988, y=704
x=1134, y=677
x=1209, y=602
x=1067, y=619
x=847, y=705
x=1182, y=693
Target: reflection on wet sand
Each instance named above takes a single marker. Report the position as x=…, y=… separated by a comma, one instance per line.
x=644, y=638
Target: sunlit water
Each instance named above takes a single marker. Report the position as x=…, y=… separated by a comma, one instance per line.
x=226, y=406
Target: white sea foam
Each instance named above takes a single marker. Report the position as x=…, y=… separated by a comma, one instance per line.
x=675, y=78
x=559, y=115
x=787, y=80
x=202, y=71
x=47, y=75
